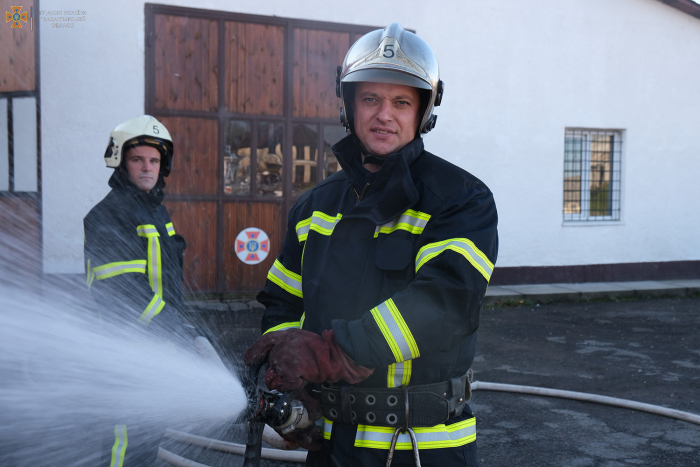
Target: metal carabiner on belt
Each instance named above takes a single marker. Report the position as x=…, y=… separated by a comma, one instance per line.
x=403, y=429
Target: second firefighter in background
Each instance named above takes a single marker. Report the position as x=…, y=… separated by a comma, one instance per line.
x=134, y=262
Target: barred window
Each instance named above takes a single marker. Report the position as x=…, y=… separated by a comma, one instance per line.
x=592, y=175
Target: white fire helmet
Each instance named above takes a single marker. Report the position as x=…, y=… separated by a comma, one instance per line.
x=143, y=130
x=391, y=55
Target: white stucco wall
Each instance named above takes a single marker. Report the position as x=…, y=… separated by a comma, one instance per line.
x=517, y=74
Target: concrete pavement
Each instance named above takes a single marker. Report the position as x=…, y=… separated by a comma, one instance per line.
x=505, y=294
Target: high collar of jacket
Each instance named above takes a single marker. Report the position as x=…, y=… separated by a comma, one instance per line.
x=119, y=181
x=391, y=190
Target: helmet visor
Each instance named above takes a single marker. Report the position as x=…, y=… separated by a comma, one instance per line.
x=386, y=76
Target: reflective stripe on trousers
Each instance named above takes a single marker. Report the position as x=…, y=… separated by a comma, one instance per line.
x=436, y=437
x=119, y=447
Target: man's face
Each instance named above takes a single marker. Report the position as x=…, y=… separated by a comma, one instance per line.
x=143, y=166
x=386, y=116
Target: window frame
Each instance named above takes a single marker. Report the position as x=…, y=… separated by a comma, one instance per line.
x=584, y=216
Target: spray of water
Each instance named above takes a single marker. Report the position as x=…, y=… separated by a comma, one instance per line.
x=67, y=376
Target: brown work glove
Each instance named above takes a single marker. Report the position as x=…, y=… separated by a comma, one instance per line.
x=296, y=356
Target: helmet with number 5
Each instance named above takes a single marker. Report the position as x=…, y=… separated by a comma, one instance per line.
x=391, y=55
x=143, y=130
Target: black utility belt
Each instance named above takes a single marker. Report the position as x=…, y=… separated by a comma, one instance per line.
x=423, y=405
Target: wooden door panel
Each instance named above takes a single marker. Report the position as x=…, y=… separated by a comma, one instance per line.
x=195, y=165
x=17, y=64
x=196, y=222
x=316, y=57
x=19, y=238
x=254, y=68
x=186, y=70
x=238, y=216
x=265, y=110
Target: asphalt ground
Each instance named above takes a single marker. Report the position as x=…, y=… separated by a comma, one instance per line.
x=642, y=350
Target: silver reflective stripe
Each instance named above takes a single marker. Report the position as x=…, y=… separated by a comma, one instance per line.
x=427, y=438
x=323, y=223
x=154, y=265
x=327, y=428
x=417, y=224
x=304, y=230
x=170, y=229
x=284, y=326
x=152, y=309
x=395, y=331
x=119, y=448
x=399, y=369
x=462, y=246
x=104, y=272
x=286, y=279
x=318, y=222
x=146, y=230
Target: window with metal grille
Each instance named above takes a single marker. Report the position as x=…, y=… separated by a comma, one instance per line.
x=592, y=175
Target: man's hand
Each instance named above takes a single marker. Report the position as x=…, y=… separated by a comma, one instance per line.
x=296, y=356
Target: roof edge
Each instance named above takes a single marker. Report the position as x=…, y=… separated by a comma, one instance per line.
x=686, y=6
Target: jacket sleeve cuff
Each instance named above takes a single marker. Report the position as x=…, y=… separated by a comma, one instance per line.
x=352, y=338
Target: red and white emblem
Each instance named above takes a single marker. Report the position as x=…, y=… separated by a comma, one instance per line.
x=252, y=245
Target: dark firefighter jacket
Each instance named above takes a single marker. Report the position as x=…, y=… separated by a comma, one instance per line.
x=397, y=262
x=134, y=257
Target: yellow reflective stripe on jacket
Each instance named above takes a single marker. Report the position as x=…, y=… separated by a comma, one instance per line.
x=284, y=326
x=169, y=227
x=119, y=447
x=152, y=309
x=463, y=246
x=327, y=428
x=147, y=230
x=155, y=276
x=301, y=321
x=120, y=267
x=90, y=275
x=399, y=374
x=411, y=221
x=395, y=331
x=155, y=266
x=436, y=437
x=318, y=222
x=286, y=279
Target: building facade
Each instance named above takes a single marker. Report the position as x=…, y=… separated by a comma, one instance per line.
x=580, y=115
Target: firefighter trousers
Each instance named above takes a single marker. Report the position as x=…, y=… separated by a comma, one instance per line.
x=341, y=449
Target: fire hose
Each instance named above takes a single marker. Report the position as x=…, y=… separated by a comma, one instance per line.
x=256, y=451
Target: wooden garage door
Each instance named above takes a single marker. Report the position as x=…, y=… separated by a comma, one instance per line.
x=20, y=143
x=250, y=102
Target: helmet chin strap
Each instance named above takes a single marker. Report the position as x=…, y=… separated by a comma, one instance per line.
x=372, y=159
x=369, y=158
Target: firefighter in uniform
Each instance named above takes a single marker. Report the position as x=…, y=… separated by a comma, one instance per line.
x=134, y=258
x=377, y=292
